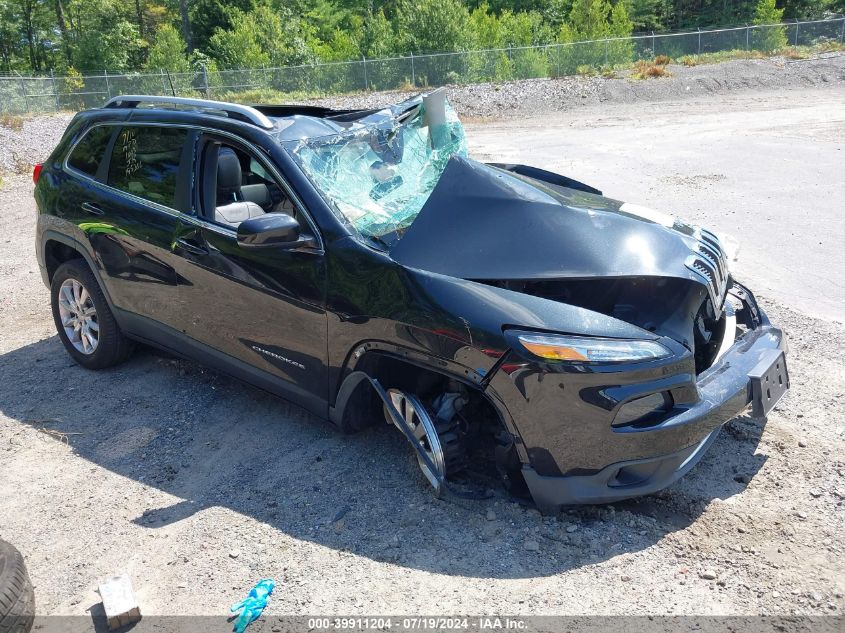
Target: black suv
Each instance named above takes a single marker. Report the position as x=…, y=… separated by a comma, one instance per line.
x=360, y=264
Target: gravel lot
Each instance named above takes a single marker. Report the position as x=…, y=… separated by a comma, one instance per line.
x=198, y=486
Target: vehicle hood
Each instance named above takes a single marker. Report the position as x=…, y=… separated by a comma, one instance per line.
x=481, y=222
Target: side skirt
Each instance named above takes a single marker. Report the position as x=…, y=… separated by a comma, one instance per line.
x=148, y=331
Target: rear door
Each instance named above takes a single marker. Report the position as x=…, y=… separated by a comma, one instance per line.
x=264, y=308
x=127, y=208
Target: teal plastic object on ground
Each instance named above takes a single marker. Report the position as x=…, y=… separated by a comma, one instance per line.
x=253, y=605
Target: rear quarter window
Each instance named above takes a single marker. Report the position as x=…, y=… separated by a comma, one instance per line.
x=88, y=152
x=145, y=162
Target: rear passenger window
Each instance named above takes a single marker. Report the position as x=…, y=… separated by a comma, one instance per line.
x=145, y=162
x=88, y=153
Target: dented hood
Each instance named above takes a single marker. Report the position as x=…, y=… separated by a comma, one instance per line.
x=481, y=222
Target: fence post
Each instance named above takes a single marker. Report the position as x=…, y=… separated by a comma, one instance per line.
x=699, y=40
x=413, y=72
x=25, y=97
x=53, y=85
x=842, y=35
x=747, y=31
x=108, y=85
x=205, y=80
x=796, y=33
x=653, y=45
x=605, y=51
x=366, y=82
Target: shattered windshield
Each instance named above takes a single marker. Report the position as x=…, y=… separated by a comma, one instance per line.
x=378, y=174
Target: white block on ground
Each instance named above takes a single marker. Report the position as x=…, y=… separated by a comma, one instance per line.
x=119, y=601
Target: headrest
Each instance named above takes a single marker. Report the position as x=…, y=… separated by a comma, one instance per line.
x=228, y=170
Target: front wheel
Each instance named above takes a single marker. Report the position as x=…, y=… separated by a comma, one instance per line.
x=83, y=319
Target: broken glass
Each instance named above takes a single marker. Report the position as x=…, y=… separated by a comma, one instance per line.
x=378, y=175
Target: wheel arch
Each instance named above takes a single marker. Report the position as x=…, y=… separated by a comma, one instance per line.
x=357, y=405
x=58, y=248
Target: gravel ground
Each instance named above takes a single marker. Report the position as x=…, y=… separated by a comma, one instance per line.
x=197, y=485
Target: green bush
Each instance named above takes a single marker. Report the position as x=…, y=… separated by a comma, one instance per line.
x=768, y=38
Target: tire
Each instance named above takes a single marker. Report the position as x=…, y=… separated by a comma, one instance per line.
x=17, y=600
x=111, y=346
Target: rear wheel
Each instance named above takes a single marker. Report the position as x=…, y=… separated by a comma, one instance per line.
x=83, y=319
x=17, y=600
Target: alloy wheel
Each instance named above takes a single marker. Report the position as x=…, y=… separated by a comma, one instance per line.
x=424, y=431
x=79, y=316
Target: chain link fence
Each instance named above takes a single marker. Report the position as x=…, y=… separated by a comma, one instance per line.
x=25, y=94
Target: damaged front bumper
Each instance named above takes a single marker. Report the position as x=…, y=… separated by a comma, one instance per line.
x=576, y=452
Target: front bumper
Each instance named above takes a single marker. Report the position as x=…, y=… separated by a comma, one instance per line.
x=573, y=454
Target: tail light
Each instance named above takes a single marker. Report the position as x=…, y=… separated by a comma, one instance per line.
x=36, y=173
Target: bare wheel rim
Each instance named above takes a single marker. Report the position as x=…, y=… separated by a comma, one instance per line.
x=79, y=316
x=424, y=431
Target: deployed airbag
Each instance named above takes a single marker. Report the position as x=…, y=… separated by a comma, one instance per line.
x=377, y=177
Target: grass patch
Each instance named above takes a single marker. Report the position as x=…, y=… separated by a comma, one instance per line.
x=789, y=52
x=11, y=121
x=662, y=60
x=650, y=70
x=721, y=56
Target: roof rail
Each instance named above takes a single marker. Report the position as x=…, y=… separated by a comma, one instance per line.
x=233, y=110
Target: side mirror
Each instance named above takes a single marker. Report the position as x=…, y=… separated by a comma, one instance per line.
x=272, y=229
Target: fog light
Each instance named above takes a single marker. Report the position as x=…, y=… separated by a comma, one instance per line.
x=644, y=411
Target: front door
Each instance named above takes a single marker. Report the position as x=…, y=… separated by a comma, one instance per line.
x=261, y=307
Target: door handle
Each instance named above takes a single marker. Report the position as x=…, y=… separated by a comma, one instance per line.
x=191, y=247
x=93, y=209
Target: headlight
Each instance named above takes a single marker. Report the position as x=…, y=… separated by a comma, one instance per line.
x=591, y=350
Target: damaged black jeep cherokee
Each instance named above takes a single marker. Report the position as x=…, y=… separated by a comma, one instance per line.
x=360, y=264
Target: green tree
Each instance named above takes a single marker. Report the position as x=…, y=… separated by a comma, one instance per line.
x=766, y=12
x=620, y=50
x=10, y=42
x=378, y=36
x=207, y=16
x=168, y=51
x=591, y=22
x=650, y=15
x=237, y=46
x=105, y=36
x=588, y=19
x=262, y=37
x=433, y=26
x=768, y=38
x=36, y=20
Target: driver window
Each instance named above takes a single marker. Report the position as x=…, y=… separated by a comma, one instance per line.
x=235, y=186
